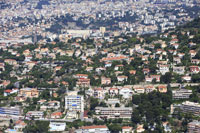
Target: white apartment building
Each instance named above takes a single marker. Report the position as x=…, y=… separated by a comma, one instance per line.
x=93, y=129
x=181, y=94
x=36, y=114
x=179, y=69
x=57, y=126
x=74, y=103
x=164, y=69
x=114, y=112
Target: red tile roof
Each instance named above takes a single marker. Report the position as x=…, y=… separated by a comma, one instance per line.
x=93, y=127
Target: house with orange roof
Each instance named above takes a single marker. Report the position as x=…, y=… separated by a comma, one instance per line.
x=85, y=76
x=139, y=90
x=194, y=69
x=175, y=45
x=192, y=53
x=29, y=92
x=174, y=36
x=152, y=77
x=105, y=81
x=181, y=55
x=42, y=101
x=26, y=52
x=31, y=64
x=113, y=91
x=192, y=44
x=127, y=129
x=117, y=67
x=85, y=114
x=53, y=104
x=83, y=82
x=28, y=58
x=122, y=78
x=65, y=83
x=108, y=64
x=146, y=70
x=126, y=92
x=57, y=68
x=176, y=60
x=118, y=73
x=116, y=58
x=162, y=88
x=149, y=88
x=186, y=78
x=44, y=50
x=174, y=41
x=132, y=72
x=140, y=129
x=8, y=91
x=163, y=69
x=4, y=83
x=99, y=93
x=89, y=69
x=56, y=115
x=20, y=98
x=20, y=125
x=10, y=61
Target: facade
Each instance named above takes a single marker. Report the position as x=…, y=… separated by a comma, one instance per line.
x=29, y=92
x=164, y=69
x=179, y=70
x=74, y=103
x=162, y=88
x=190, y=107
x=36, y=114
x=82, y=82
x=19, y=125
x=10, y=111
x=194, y=127
x=93, y=129
x=114, y=112
x=99, y=93
x=181, y=94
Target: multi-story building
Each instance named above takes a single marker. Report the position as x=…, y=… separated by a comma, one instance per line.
x=10, y=111
x=181, y=94
x=57, y=126
x=179, y=69
x=114, y=112
x=36, y=114
x=194, y=127
x=74, y=103
x=190, y=107
x=164, y=69
x=29, y=92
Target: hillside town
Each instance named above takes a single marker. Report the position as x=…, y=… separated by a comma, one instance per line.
x=105, y=66
x=125, y=83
